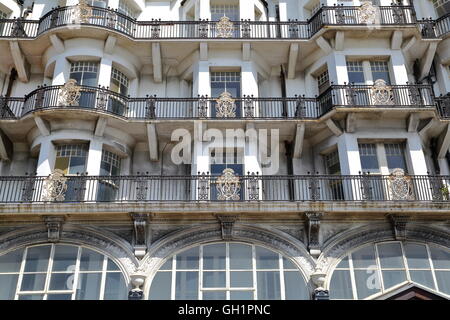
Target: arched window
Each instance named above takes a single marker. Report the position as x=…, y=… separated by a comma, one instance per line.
x=378, y=267
x=228, y=271
x=60, y=272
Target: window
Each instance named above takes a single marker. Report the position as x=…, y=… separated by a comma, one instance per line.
x=119, y=82
x=97, y=3
x=85, y=72
x=60, y=272
x=442, y=7
x=355, y=72
x=110, y=164
x=369, y=158
x=71, y=158
x=332, y=163
x=220, y=10
x=323, y=81
x=380, y=70
x=378, y=267
x=126, y=9
x=395, y=156
x=228, y=271
x=226, y=82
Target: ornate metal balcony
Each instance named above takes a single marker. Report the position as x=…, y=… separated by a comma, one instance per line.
x=76, y=16
x=227, y=187
x=443, y=104
x=71, y=96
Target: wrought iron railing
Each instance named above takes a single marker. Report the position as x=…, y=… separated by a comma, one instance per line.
x=71, y=96
x=74, y=16
x=443, y=106
x=226, y=187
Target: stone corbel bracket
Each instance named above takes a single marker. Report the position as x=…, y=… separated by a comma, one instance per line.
x=54, y=226
x=313, y=229
x=227, y=225
x=399, y=223
x=140, y=224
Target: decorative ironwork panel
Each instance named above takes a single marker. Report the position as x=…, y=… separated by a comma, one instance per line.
x=249, y=108
x=82, y=12
x=203, y=29
x=367, y=13
x=141, y=189
x=224, y=28
x=366, y=187
x=202, y=107
x=54, y=186
x=28, y=189
x=253, y=187
x=245, y=29
x=69, y=93
x=398, y=15
x=150, y=108
x=314, y=188
x=228, y=186
x=102, y=99
x=110, y=19
x=155, y=31
x=381, y=93
x=226, y=106
x=414, y=96
x=400, y=185
x=203, y=187
x=300, y=111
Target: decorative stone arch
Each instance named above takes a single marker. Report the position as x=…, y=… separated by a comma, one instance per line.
x=340, y=245
x=96, y=239
x=268, y=237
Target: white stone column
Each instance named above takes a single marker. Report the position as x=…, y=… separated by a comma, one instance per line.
x=61, y=72
x=204, y=9
x=399, y=67
x=350, y=163
x=418, y=162
x=94, y=157
x=337, y=68
x=249, y=81
x=47, y=156
x=246, y=9
x=104, y=75
x=282, y=7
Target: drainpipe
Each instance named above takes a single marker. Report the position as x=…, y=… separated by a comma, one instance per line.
x=290, y=168
x=283, y=90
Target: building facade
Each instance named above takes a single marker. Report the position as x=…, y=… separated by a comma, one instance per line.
x=224, y=149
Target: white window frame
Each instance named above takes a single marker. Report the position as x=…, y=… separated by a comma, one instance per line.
x=382, y=157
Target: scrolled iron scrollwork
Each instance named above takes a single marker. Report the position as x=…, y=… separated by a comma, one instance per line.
x=226, y=106
x=54, y=186
x=224, y=28
x=228, y=186
x=381, y=93
x=367, y=13
x=69, y=93
x=203, y=183
x=400, y=185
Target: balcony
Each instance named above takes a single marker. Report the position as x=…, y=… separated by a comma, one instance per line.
x=443, y=105
x=204, y=29
x=102, y=100
x=227, y=187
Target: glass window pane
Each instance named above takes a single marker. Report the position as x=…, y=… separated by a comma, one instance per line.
x=186, y=286
x=89, y=286
x=91, y=260
x=368, y=157
x=64, y=258
x=423, y=277
x=295, y=287
x=37, y=258
x=214, y=256
x=364, y=258
x=395, y=156
x=33, y=282
x=167, y=265
x=266, y=259
x=214, y=295
x=61, y=281
x=288, y=264
x=441, y=258
x=367, y=283
x=213, y=279
x=416, y=256
x=390, y=255
x=8, y=286
x=59, y=297
x=161, y=286
x=10, y=262
x=343, y=264
x=241, y=295
x=341, y=286
x=241, y=279
x=268, y=283
x=392, y=278
x=62, y=163
x=443, y=281
x=77, y=165
x=188, y=259
x=31, y=297
x=240, y=256
x=112, y=266
x=115, y=287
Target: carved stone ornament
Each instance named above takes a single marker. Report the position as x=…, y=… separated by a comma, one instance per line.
x=313, y=224
x=226, y=107
x=82, y=12
x=381, y=93
x=224, y=28
x=228, y=185
x=53, y=224
x=54, y=186
x=140, y=234
x=367, y=13
x=400, y=185
x=69, y=93
x=399, y=223
x=227, y=224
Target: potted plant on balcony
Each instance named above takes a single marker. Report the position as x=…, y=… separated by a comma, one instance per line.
x=445, y=192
